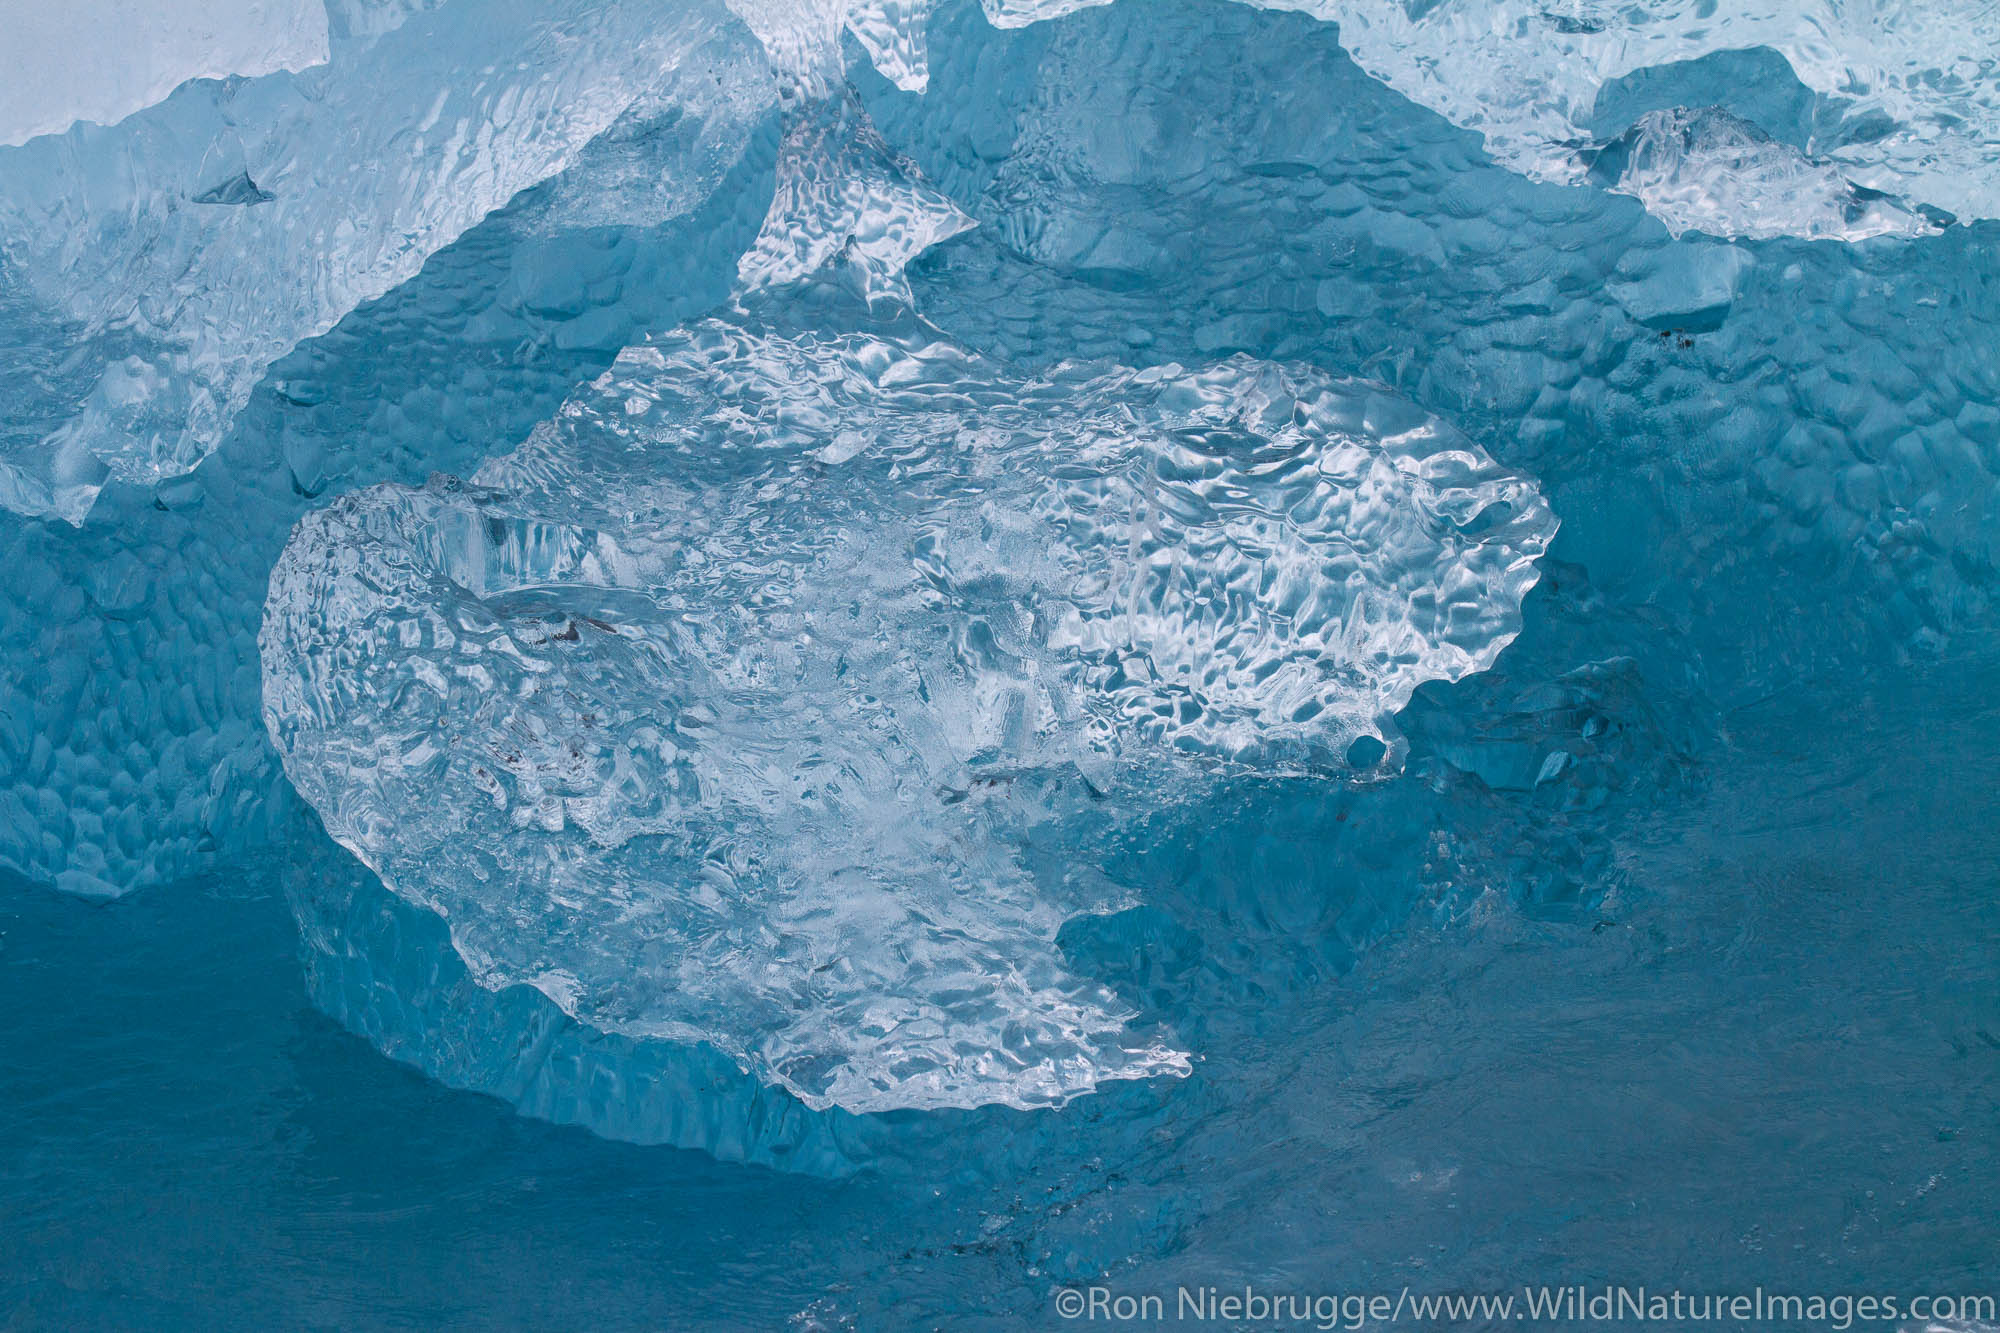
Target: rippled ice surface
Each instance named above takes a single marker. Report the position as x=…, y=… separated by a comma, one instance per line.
x=844, y=664
x=725, y=708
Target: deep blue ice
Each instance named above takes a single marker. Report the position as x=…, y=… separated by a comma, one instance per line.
x=1151, y=666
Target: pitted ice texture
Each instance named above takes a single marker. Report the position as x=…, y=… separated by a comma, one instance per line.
x=731, y=706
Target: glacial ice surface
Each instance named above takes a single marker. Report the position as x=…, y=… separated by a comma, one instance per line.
x=1765, y=451
x=385, y=968
x=1709, y=170
x=162, y=264
x=728, y=708
x=1912, y=88
x=168, y=260
x=101, y=60
x=1916, y=85
x=132, y=753
x=681, y=828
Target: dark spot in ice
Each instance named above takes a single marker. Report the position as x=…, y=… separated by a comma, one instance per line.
x=1573, y=26
x=1281, y=170
x=1366, y=751
x=238, y=189
x=1111, y=278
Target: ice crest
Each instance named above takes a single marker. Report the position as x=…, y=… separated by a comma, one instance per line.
x=101, y=60
x=843, y=194
x=1526, y=75
x=1021, y=13
x=167, y=261
x=1707, y=170
x=802, y=38
x=372, y=18
x=732, y=706
x=893, y=34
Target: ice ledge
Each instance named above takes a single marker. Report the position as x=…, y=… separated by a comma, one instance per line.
x=101, y=60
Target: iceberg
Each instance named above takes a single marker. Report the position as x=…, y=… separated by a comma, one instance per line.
x=728, y=707
x=809, y=731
